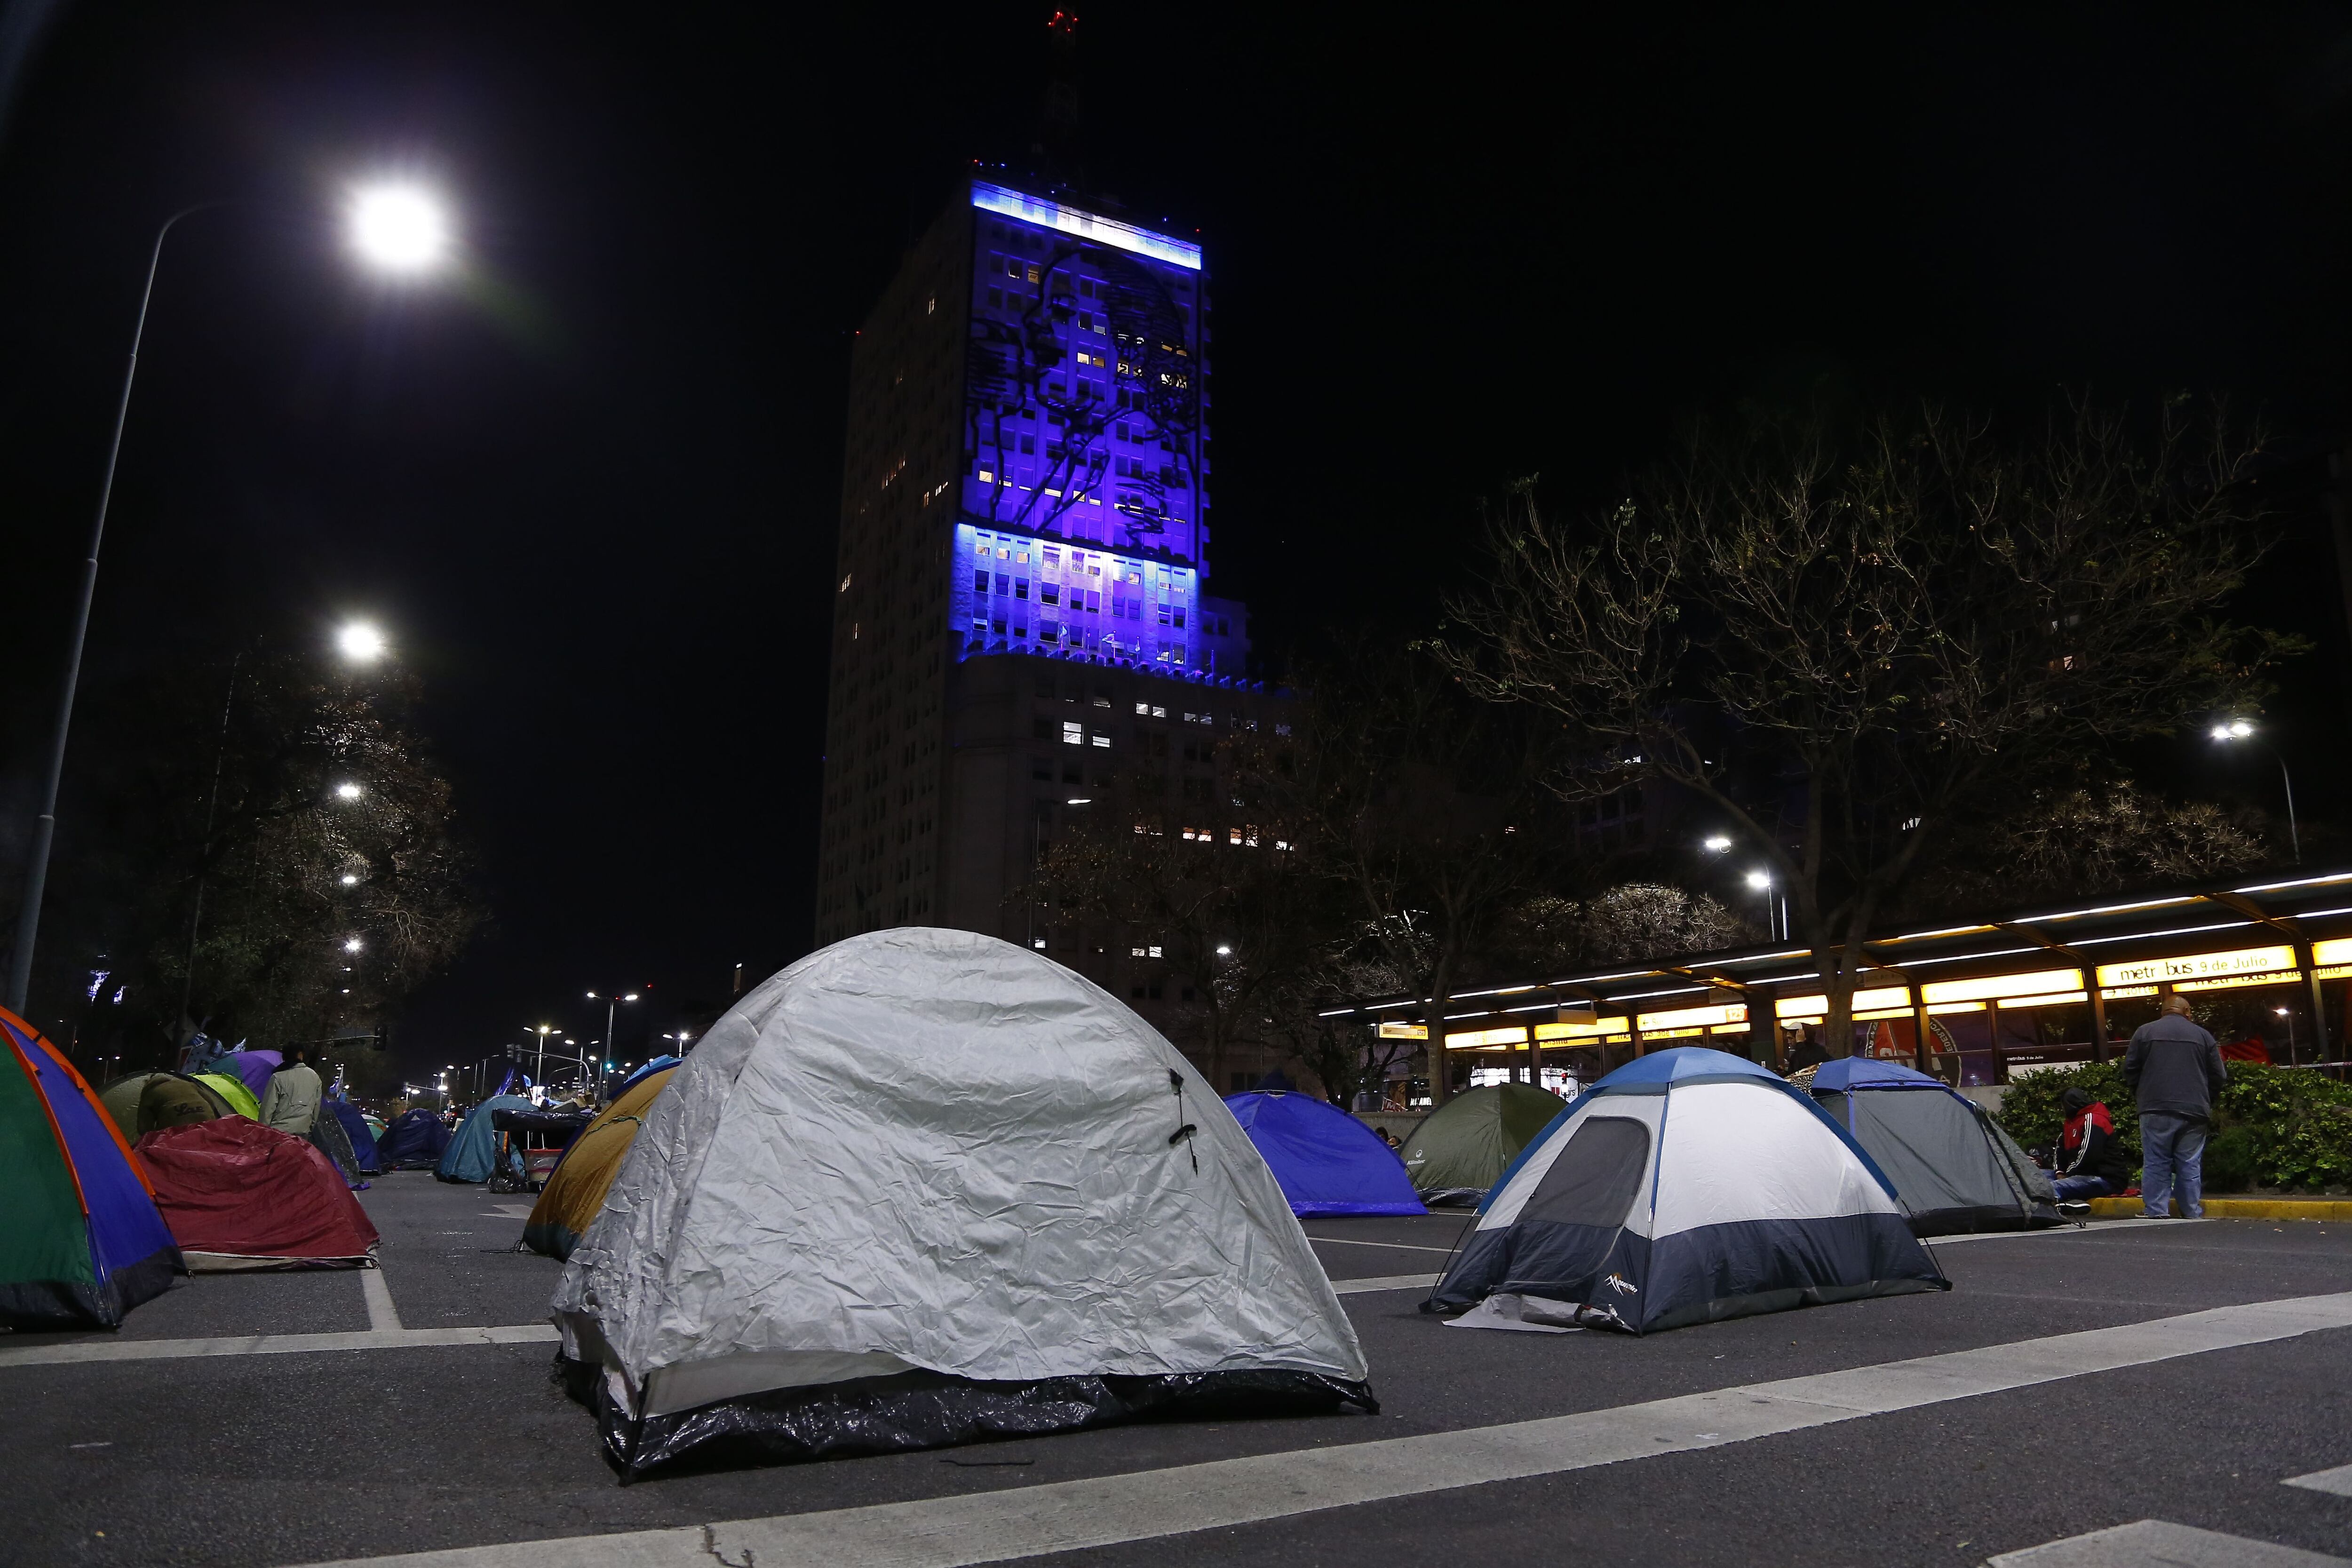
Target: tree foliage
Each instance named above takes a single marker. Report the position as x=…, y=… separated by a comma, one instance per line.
x=2057, y=844
x=276, y=807
x=1849, y=645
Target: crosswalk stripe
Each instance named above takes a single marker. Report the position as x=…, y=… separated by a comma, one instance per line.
x=72, y=1351
x=2153, y=1543
x=2337, y=1481
x=1107, y=1511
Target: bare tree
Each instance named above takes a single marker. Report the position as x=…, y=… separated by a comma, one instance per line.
x=1429, y=808
x=2062, y=843
x=1846, y=648
x=1217, y=894
x=1633, y=921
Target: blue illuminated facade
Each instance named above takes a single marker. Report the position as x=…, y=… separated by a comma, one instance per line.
x=1086, y=418
x=1024, y=549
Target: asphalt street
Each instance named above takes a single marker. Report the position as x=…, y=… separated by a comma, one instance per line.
x=336, y=1455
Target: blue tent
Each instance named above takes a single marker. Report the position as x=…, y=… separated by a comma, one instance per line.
x=1687, y=1186
x=362, y=1140
x=413, y=1142
x=1953, y=1166
x=659, y=1064
x=473, y=1150
x=1325, y=1160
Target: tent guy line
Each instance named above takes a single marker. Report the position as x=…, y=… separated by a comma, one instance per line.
x=1394, y=1246
x=1149, y=1504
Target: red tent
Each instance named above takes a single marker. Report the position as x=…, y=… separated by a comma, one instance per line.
x=241, y=1195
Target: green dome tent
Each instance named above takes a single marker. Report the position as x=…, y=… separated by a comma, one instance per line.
x=1461, y=1148
x=145, y=1102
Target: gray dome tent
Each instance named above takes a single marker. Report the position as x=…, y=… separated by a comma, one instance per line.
x=925, y=1186
x=1951, y=1166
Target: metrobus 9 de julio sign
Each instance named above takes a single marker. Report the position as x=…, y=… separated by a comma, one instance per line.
x=2197, y=966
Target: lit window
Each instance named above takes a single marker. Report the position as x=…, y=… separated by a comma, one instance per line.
x=986, y=478
x=1073, y=732
x=1136, y=952
x=1101, y=738
x=1155, y=953
x=1158, y=712
x=1282, y=729
x=1143, y=707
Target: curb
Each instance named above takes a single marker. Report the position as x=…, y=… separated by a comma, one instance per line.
x=2239, y=1208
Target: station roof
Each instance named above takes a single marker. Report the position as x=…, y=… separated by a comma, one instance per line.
x=2177, y=936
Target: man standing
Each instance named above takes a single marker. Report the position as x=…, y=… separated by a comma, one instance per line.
x=291, y=1103
x=2175, y=1069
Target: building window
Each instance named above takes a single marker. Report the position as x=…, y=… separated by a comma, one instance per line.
x=979, y=582
x=1101, y=738
x=1021, y=588
x=1073, y=732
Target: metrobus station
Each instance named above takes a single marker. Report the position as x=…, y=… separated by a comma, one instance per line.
x=2269, y=964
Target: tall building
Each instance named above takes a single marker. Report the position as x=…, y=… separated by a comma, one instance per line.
x=1023, y=571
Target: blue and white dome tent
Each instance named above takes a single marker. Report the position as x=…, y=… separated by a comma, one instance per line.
x=1686, y=1186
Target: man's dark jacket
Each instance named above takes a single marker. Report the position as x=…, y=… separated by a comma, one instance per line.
x=2174, y=1068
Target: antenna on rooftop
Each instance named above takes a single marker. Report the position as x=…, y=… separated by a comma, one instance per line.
x=1055, y=144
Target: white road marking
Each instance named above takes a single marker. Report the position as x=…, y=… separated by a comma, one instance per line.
x=1394, y=1245
x=1385, y=1282
x=1148, y=1505
x=271, y=1344
x=2153, y=1543
x=381, y=1315
x=2337, y=1480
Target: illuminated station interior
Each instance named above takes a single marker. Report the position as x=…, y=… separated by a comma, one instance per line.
x=1976, y=1003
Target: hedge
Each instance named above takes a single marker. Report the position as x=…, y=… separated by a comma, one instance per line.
x=2274, y=1127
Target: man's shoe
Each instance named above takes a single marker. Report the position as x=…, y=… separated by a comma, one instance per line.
x=2076, y=1208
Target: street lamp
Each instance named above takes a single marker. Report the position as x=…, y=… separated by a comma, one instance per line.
x=360, y=643
x=612, y=1005
x=1718, y=842
x=400, y=230
x=2240, y=730
x=1773, y=931
x=397, y=229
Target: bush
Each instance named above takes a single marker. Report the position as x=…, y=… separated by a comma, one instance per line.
x=2032, y=1114
x=2274, y=1127
x=2232, y=1157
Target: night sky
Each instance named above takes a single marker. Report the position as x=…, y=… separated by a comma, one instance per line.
x=591, y=490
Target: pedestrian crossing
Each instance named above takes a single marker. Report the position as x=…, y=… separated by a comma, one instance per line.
x=997, y=1526
x=2153, y=1543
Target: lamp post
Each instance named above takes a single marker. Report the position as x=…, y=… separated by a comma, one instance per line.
x=393, y=229
x=2240, y=730
x=1774, y=921
x=612, y=1005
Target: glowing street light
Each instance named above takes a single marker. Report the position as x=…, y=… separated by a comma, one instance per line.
x=347, y=792
x=2240, y=730
x=349, y=880
x=353, y=945
x=360, y=643
x=1760, y=879
x=401, y=229
x=1718, y=843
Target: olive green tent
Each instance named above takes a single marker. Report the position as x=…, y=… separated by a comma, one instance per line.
x=145, y=1102
x=231, y=1087
x=1461, y=1148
